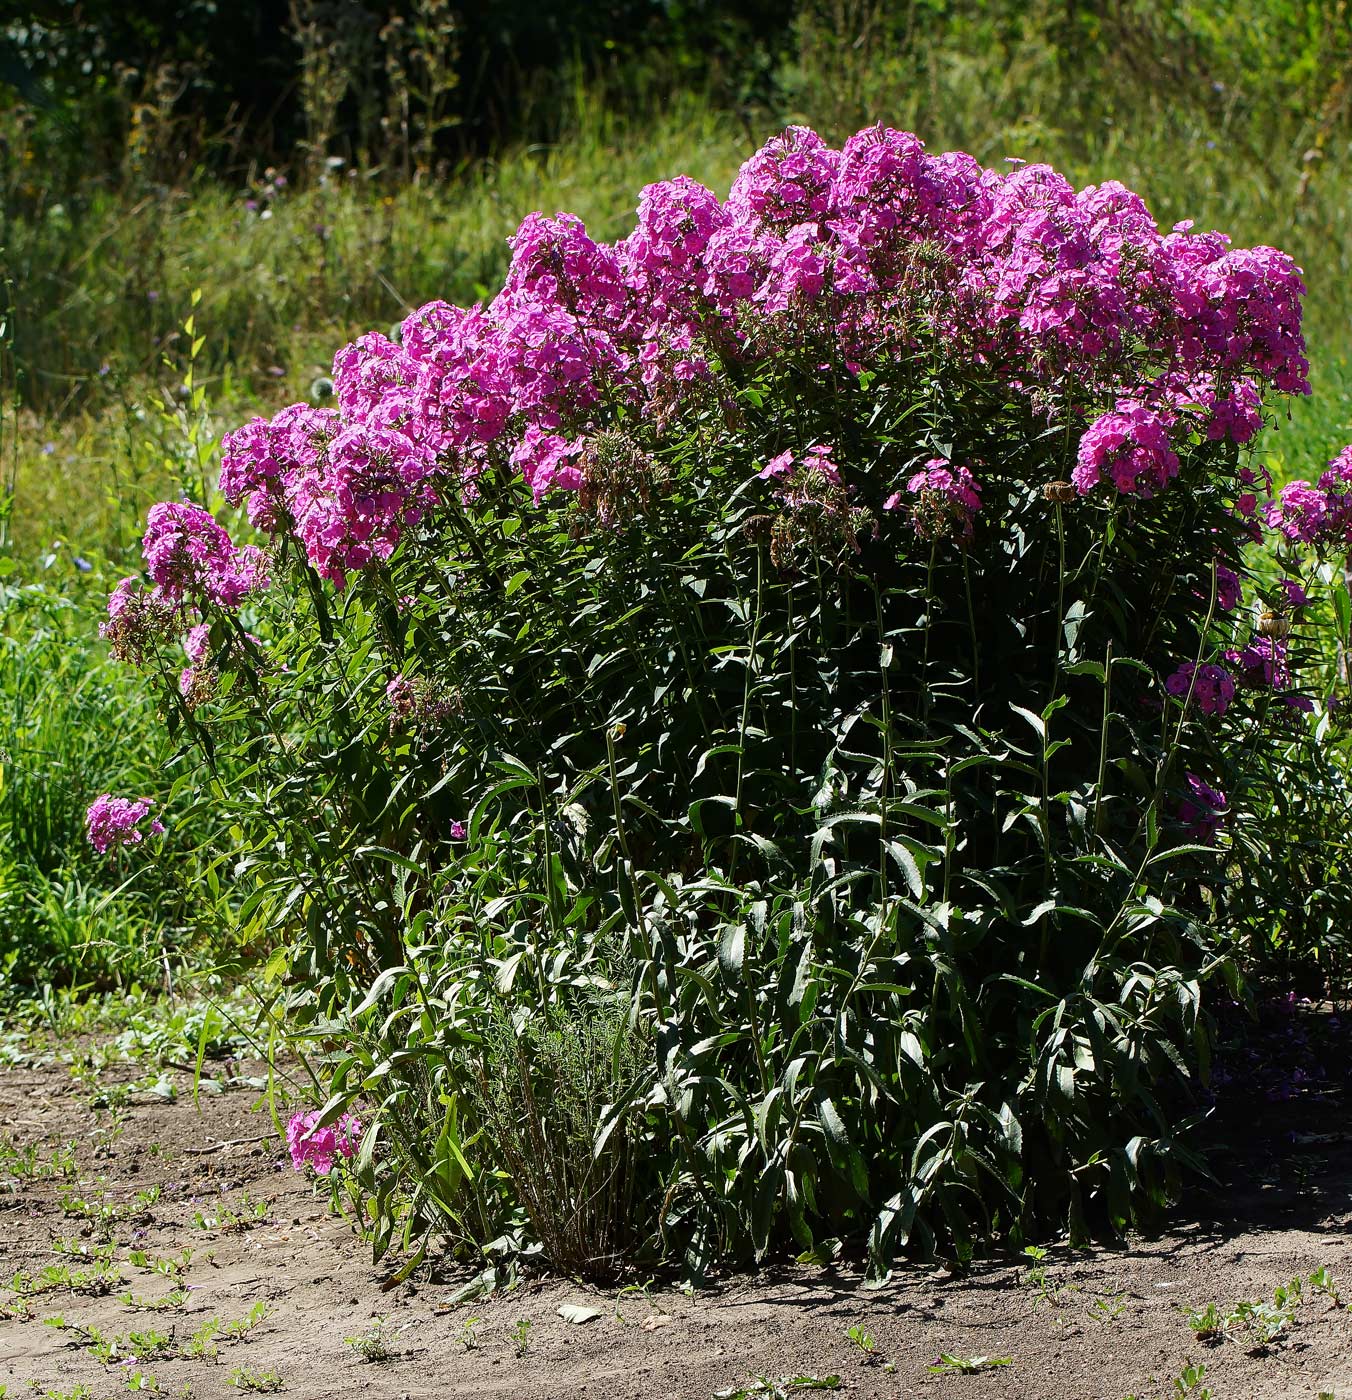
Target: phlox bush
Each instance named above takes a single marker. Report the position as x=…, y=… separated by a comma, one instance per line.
x=809, y=639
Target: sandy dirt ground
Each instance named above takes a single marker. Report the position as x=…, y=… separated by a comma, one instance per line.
x=260, y=1286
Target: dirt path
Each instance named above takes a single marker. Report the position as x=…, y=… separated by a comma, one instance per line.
x=1105, y=1326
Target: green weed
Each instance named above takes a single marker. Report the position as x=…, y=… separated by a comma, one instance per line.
x=1321, y=1281
x=374, y=1344
x=1208, y=1324
x=257, y=1382
x=863, y=1341
x=231, y=1219
x=948, y=1364
x=1108, y=1308
x=201, y=1346
x=169, y=1302
x=166, y=1265
x=240, y=1328
x=763, y=1388
x=521, y=1335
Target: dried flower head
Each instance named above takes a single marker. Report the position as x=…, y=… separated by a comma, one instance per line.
x=424, y=703
x=620, y=481
x=139, y=622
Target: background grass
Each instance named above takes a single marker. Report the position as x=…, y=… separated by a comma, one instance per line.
x=73, y=725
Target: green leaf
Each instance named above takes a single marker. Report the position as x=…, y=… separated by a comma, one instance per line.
x=696, y=809
x=1342, y=611
x=732, y=950
x=1039, y=726
x=832, y=1123
x=909, y=867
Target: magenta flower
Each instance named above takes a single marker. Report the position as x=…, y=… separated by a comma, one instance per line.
x=139, y=621
x=548, y=461
x=1129, y=448
x=400, y=696
x=946, y=500
x=458, y=831
x=661, y=258
x=777, y=467
x=187, y=553
x=1300, y=512
x=197, y=642
x=856, y=258
x=1228, y=591
x=787, y=182
x=116, y=821
x=1262, y=664
x=320, y=1147
x=957, y=483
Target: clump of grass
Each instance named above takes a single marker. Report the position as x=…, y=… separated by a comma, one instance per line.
x=73, y=726
x=543, y=1093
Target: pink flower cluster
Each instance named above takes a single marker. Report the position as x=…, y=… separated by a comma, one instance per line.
x=188, y=555
x=139, y=621
x=816, y=460
x=421, y=702
x=1128, y=447
x=116, y=821
x=321, y=1147
x=1320, y=514
x=855, y=255
x=1263, y=664
x=1229, y=593
x=946, y=500
x=192, y=564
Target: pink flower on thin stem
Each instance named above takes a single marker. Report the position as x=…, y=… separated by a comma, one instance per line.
x=945, y=501
x=777, y=467
x=320, y=1147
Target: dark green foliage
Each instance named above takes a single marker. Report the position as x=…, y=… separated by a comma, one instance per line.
x=867, y=862
x=233, y=73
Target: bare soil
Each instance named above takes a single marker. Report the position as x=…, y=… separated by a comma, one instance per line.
x=1103, y=1326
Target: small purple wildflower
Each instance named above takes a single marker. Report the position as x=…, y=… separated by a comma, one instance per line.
x=1203, y=810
